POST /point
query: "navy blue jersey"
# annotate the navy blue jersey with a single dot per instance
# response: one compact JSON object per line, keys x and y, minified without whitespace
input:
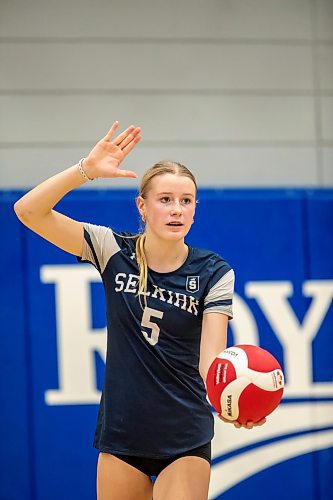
{"x":153,"y":402}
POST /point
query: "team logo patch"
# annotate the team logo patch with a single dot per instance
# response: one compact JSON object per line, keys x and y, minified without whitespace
{"x":192,"y":284}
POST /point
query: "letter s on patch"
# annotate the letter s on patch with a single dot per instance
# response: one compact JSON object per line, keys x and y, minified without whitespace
{"x":192,"y":284}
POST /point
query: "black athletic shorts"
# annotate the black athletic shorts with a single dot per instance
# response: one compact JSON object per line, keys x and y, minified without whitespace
{"x":153,"y":466}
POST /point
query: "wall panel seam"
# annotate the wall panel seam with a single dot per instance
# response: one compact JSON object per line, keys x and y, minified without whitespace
{"x":167,"y":92}
{"x":166,"y":40}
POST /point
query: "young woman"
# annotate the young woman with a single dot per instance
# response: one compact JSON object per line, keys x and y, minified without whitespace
{"x":168,"y":306}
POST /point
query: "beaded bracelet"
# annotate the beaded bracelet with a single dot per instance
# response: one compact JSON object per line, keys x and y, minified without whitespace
{"x":82,"y":172}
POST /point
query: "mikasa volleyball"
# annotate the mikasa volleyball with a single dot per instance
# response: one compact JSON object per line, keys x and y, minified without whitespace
{"x":245,"y":383}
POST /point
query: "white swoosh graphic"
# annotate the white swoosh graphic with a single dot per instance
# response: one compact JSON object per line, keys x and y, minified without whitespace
{"x":286,"y":419}
{"x":230,"y":472}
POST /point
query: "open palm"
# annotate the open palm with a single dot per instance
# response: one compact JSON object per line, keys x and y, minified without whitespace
{"x":104,"y":159}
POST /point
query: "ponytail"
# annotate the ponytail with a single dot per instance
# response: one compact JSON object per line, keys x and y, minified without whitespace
{"x":143,"y":267}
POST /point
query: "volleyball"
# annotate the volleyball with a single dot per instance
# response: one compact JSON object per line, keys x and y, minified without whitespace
{"x":244,"y":383}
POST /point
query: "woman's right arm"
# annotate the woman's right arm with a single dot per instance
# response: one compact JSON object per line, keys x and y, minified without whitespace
{"x":35,"y":209}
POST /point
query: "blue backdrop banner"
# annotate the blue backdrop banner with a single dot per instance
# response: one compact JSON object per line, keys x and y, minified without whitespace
{"x":53,"y":343}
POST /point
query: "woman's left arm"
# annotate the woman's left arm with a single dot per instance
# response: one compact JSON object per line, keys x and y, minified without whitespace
{"x":214,"y":341}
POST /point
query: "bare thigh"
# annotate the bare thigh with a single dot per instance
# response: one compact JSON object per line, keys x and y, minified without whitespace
{"x":117,"y":480}
{"x":187,"y":478}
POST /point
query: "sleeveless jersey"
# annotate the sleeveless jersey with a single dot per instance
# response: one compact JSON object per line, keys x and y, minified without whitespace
{"x":153,"y":402}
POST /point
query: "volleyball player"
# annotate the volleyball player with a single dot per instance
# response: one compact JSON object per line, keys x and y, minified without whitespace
{"x":168,"y":306}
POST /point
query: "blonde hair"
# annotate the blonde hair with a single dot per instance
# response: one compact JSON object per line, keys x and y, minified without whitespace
{"x":160,"y":168}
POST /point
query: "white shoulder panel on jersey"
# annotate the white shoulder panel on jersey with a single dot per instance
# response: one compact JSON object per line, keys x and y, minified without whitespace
{"x":219,"y":297}
{"x":101,"y":247}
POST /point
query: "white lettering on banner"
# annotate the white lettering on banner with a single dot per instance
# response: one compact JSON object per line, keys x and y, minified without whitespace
{"x":243,"y":326}
{"x":76,"y":340}
{"x":295,"y":338}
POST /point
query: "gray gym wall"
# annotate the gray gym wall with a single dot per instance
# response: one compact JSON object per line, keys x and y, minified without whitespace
{"x":241,"y":91}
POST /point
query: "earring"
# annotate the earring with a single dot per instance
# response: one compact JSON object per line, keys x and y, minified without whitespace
{"x":143,"y":217}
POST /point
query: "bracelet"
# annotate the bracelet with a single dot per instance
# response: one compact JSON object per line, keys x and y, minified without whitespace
{"x":82,"y":172}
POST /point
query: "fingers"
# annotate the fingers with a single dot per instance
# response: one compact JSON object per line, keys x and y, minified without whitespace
{"x":112,"y":130}
{"x":246,"y":425}
{"x":131,"y":145}
{"x":125,"y":137}
{"x":261,"y":422}
{"x":122,"y":145}
{"x":126,"y":173}
{"x":122,"y":139}
{"x":236,"y":424}
{"x":250,"y":424}
{"x":129,"y":138}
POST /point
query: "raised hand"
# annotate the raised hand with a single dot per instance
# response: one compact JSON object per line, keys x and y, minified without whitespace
{"x":104,"y":159}
{"x":248,"y":425}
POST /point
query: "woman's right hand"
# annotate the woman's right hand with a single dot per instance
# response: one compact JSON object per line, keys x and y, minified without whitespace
{"x":247,"y":425}
{"x":104,"y":159}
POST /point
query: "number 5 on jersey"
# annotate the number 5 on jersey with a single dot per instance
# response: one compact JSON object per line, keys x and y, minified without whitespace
{"x":155,"y":329}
